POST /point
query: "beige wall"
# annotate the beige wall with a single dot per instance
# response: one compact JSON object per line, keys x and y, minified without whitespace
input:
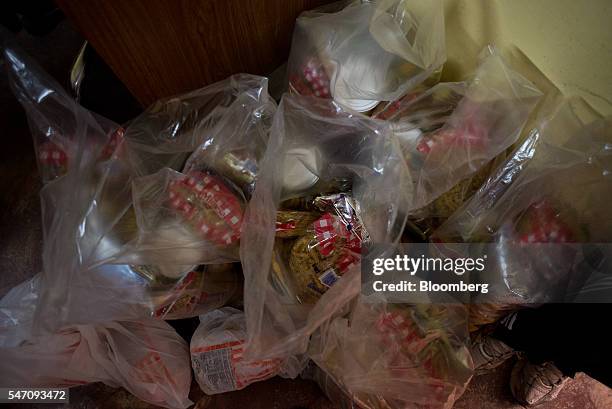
{"x":568,"y":41}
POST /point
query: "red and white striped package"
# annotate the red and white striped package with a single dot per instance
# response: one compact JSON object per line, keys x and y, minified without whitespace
{"x":54,"y":160}
{"x":312,"y":80}
{"x":543,"y":224}
{"x":327,"y":229}
{"x":217,"y":348}
{"x":209,"y":205}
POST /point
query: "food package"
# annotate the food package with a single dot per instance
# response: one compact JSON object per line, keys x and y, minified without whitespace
{"x":329,"y":183}
{"x":206,"y":289}
{"x":146,"y":357}
{"x":196,"y":215}
{"x":186,"y":218}
{"x":196,"y":120}
{"x":454,"y":133}
{"x":217,"y":354}
{"x":363,"y":53}
{"x":328,"y":248}
{"x":111,"y":253}
{"x":238,"y":142}
{"x":534,"y":219}
{"x":394,"y":355}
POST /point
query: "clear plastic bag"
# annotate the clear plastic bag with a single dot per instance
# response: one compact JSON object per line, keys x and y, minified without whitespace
{"x":103,"y":259}
{"x":199,"y":292}
{"x":239,"y":141}
{"x":453,"y":130}
{"x":366,"y":52}
{"x":196,"y":216}
{"x":175,"y":127}
{"x":222,"y":116}
{"x":217,"y":354}
{"x":339,"y":396}
{"x":534,"y":218}
{"x":395,"y":355}
{"x":60,"y":127}
{"x":147,"y":357}
{"x":17,"y":311}
{"x":328,"y":183}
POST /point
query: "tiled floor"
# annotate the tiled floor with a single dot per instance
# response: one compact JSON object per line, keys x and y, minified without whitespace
{"x":20,"y":245}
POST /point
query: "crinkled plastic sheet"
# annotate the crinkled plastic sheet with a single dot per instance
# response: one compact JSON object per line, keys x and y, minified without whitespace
{"x":17,"y":311}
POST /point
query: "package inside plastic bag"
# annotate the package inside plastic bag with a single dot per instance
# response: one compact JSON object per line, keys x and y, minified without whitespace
{"x":363,"y":53}
{"x":217,"y":354}
{"x":394,"y":355}
{"x":196,"y":215}
{"x":339,"y":396}
{"x":199,"y":291}
{"x":453,"y":133}
{"x":112,"y":252}
{"x":177,"y":126}
{"x":328,"y":183}
{"x":535,"y":219}
{"x":146,"y":357}
{"x":141,"y":225}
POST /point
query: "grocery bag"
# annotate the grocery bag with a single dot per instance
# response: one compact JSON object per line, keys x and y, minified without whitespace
{"x":363,"y":53}
{"x":330,"y":182}
{"x":543,"y":213}
{"x":147,"y":357}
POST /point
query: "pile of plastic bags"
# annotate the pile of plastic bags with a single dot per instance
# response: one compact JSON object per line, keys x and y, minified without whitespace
{"x":251,"y":215}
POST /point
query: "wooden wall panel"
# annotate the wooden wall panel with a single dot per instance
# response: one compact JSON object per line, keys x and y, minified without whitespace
{"x":160,"y":48}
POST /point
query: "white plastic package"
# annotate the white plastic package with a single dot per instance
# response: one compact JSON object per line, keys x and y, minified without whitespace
{"x":217,"y":354}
